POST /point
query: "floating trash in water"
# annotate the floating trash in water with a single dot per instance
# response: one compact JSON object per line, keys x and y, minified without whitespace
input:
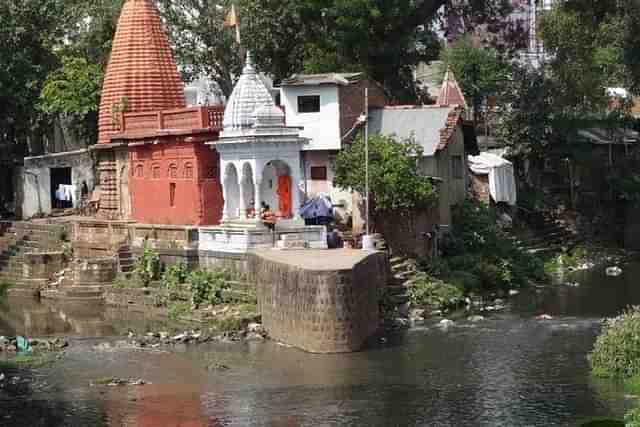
{"x":445,"y":323}
{"x":513,"y":292}
{"x":572,"y":284}
{"x":544,"y":317}
{"x":613,"y":271}
{"x":23,"y":345}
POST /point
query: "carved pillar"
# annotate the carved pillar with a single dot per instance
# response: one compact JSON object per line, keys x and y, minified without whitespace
{"x":295,"y":189}
{"x":243,"y":203}
{"x":225,"y":196}
{"x":257,"y":199}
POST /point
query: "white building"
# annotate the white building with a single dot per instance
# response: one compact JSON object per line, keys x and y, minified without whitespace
{"x":327,"y":107}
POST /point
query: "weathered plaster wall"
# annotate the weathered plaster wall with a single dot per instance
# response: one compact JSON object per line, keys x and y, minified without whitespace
{"x":37,"y":178}
{"x":453,"y":189}
{"x":326,"y":311}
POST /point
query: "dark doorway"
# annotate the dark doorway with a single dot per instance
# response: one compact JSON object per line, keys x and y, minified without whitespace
{"x":61,"y":192}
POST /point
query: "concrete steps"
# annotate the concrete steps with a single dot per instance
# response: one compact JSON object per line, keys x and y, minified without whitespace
{"x":126,"y":261}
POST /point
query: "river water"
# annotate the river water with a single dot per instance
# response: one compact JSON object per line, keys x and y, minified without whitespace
{"x":509,"y":370}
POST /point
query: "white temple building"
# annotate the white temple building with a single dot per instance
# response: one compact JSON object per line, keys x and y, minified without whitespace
{"x":260,"y":163}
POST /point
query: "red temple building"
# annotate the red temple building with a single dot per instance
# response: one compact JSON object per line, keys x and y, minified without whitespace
{"x":153,"y":164}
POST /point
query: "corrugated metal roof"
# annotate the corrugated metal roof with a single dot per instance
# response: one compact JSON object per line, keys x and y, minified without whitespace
{"x":340,"y":79}
{"x":421,"y":123}
{"x":609,"y":136}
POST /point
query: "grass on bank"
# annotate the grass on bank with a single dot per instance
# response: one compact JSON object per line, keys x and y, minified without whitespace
{"x":183,"y":291}
{"x":28,"y":361}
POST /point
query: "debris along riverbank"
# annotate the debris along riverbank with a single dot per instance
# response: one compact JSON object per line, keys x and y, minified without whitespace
{"x":23,"y":345}
{"x":251,"y":331}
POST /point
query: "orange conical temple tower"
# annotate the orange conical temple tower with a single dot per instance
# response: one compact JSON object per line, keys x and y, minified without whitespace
{"x":142,"y":74}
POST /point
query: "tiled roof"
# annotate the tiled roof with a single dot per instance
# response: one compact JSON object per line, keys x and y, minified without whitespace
{"x":249,"y":95}
{"x":340,"y":79}
{"x":141,"y":69}
{"x":450,"y":92}
{"x":430,"y":126}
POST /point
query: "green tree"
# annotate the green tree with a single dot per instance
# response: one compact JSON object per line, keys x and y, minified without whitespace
{"x":89,"y":27}
{"x":28,"y":33}
{"x":395,"y":181}
{"x":481,"y":72}
{"x":383,"y":38}
{"x":73,"y":92}
{"x":201,"y":44}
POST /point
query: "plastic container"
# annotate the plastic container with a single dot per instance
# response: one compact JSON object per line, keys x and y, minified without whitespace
{"x":368,"y":242}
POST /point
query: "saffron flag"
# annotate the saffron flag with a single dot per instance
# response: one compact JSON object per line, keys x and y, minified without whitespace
{"x":232,"y":18}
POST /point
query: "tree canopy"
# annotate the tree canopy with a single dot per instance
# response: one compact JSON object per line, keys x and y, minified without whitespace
{"x":28,"y":33}
{"x":395,"y":181}
{"x":383,"y":38}
{"x":201,"y":44}
{"x":480,"y":72}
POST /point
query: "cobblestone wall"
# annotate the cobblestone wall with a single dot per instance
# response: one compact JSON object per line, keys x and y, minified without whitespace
{"x":319,"y":311}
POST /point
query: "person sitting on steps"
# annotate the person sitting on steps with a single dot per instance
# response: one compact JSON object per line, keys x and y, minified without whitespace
{"x":268,"y":217}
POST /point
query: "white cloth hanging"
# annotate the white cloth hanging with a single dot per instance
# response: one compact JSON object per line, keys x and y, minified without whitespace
{"x":502,"y":181}
{"x":66,"y":193}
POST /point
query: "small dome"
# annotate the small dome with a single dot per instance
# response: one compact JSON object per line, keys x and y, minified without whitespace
{"x":248,"y":96}
{"x":268,"y":116}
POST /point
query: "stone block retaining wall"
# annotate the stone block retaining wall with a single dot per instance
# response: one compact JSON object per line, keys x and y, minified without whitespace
{"x":319,"y":311}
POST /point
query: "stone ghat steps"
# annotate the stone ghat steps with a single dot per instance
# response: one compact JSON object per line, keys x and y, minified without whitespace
{"x":18,"y":239}
{"x":76,"y":293}
{"x":126,"y":261}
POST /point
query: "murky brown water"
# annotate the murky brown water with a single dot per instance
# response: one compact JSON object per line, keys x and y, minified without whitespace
{"x":510,"y":370}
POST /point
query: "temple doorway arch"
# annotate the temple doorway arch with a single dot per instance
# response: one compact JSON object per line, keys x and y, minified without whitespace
{"x":231,"y":192}
{"x":276,"y":188}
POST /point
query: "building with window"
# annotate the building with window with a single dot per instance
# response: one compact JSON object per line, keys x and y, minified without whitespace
{"x":327,"y":107}
{"x":440,"y":132}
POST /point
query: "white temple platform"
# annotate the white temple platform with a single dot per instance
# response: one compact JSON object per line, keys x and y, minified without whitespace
{"x":242,"y":236}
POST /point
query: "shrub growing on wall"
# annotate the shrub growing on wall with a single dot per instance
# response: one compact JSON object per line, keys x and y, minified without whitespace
{"x":147,"y":266}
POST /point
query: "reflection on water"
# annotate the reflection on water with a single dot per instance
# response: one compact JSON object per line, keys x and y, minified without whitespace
{"x":510,"y":370}
{"x":28,"y":317}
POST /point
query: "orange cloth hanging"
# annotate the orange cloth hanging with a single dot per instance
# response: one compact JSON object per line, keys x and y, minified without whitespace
{"x":284,"y":196}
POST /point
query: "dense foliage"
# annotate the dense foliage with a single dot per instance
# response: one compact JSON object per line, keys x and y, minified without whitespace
{"x":427,"y":291}
{"x":481,"y":72}
{"x":616,"y":352}
{"x":28,"y":33}
{"x":201,"y":44}
{"x":395,"y":182}
{"x":632,"y":418}
{"x":383,"y":38}
{"x":478,"y":255}
{"x":73,"y":92}
{"x":590,"y":46}
{"x":207,"y":286}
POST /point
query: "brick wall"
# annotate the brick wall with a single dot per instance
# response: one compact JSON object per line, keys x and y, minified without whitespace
{"x":351,"y":99}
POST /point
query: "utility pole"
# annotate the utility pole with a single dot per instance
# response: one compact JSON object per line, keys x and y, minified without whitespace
{"x":366,"y":158}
